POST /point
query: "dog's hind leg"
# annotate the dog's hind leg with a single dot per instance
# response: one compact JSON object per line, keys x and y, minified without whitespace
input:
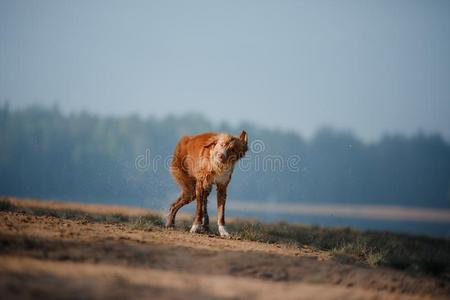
{"x":186,"y":197}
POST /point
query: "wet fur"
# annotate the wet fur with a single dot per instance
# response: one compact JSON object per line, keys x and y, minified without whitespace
{"x":196,"y":168}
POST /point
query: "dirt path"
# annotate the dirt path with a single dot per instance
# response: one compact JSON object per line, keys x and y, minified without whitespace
{"x":55,"y":258}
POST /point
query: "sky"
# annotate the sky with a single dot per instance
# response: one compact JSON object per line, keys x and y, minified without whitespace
{"x":372,"y":67}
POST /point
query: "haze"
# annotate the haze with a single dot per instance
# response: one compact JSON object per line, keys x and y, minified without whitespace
{"x":368,"y":66}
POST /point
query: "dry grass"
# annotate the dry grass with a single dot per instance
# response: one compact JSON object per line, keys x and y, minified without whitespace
{"x":406,"y":252}
{"x":415,"y":254}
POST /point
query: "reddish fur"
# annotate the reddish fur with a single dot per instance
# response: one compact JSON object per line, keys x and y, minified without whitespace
{"x":195,"y":167}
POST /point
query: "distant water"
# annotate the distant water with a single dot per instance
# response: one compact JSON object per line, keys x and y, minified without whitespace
{"x":418,"y":221}
{"x":438,"y":229}
{"x":411,"y":220}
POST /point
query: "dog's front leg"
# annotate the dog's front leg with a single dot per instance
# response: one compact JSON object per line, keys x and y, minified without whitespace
{"x":221,"y":199}
{"x":205,"y":217}
{"x":199,"y":195}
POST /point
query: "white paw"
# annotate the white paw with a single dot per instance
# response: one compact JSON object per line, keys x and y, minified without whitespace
{"x":223,"y":232}
{"x":195,"y":228}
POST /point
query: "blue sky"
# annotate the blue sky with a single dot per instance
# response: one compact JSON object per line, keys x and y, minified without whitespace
{"x":368,"y":66}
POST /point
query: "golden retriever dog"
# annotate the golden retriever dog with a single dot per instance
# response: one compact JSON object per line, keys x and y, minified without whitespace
{"x":199,"y":162}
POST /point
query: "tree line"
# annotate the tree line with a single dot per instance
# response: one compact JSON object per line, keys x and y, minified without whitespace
{"x":81,"y":156}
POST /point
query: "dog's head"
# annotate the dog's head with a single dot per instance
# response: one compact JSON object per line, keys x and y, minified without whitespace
{"x":227,"y":149}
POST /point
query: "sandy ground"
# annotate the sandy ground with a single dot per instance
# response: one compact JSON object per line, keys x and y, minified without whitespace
{"x":53,"y":258}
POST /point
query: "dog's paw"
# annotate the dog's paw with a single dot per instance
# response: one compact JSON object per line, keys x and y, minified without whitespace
{"x":169,"y":225}
{"x":223,"y":232}
{"x":169,"y":222}
{"x":197,"y":228}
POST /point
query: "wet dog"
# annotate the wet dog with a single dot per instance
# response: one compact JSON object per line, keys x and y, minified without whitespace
{"x":199,"y":162}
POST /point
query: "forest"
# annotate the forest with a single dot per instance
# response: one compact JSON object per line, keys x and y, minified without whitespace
{"x":46,"y":153}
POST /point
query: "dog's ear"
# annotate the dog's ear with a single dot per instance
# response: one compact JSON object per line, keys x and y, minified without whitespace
{"x":244,"y":137}
{"x":244,"y":141}
{"x":212,"y":141}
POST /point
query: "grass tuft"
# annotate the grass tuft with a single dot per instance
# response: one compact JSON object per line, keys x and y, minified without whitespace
{"x":5,"y":204}
{"x":147,"y":223}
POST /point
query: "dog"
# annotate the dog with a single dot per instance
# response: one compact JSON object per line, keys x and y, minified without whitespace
{"x":199,"y":162}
